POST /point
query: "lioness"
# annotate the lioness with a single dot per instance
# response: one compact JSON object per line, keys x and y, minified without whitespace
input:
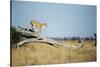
{"x":38,"y":25}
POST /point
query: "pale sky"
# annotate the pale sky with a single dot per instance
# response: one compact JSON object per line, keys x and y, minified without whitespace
{"x":64,"y":20}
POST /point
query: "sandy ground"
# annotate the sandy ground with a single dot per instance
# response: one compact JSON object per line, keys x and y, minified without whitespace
{"x":41,"y":53}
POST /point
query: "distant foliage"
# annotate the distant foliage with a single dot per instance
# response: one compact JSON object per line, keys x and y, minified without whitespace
{"x":15,"y":36}
{"x":75,"y":38}
{"x":95,"y":37}
{"x":65,"y":38}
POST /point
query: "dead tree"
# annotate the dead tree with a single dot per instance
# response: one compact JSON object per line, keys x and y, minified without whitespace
{"x":42,"y":39}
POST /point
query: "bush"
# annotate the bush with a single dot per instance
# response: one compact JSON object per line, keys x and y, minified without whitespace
{"x":15,"y":36}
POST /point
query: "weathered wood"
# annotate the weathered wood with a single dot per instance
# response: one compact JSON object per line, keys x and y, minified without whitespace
{"x":48,"y":41}
{"x":80,"y":45}
{"x":42,"y":39}
{"x":26,"y":32}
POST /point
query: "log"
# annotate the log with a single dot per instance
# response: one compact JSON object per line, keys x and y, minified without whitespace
{"x":42,"y":39}
{"x":80,"y":45}
{"x":26,"y":32}
{"x":48,"y":41}
{"x":36,"y":37}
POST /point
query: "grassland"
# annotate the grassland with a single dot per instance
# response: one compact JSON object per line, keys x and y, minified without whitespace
{"x":41,"y":53}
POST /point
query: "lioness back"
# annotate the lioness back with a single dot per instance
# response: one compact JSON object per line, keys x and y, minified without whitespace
{"x":38,"y":24}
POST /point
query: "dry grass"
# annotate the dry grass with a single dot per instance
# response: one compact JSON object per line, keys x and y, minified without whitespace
{"x":40,"y":53}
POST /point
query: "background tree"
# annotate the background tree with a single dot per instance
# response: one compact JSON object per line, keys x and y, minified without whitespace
{"x":95,"y":36}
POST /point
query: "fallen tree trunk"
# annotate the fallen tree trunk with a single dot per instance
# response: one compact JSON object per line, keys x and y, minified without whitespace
{"x":42,"y":39}
{"x":35,"y":37}
{"x":80,"y":45}
{"x":26,"y":32}
{"x":48,"y":41}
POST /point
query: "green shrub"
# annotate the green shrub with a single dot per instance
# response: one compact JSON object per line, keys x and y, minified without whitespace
{"x":15,"y":36}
